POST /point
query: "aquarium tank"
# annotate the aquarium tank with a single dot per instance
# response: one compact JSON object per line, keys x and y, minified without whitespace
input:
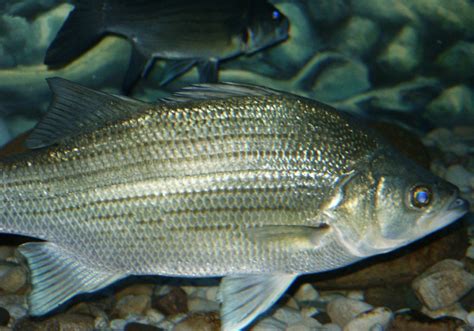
{"x":401,"y":71}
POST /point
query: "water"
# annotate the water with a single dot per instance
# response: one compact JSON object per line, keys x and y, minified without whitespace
{"x":407,"y":62}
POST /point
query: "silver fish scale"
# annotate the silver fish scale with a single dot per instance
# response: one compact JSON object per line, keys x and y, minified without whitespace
{"x":179,"y":188}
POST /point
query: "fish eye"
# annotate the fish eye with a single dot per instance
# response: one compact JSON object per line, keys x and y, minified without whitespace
{"x":245,"y":35}
{"x":276,"y":15}
{"x":420,"y":196}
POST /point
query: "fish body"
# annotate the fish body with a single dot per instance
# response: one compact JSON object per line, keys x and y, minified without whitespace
{"x":189,"y":33}
{"x":243,"y":182}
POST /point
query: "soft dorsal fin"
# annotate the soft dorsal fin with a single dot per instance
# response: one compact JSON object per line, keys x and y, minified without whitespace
{"x":218,"y":91}
{"x":76,"y":110}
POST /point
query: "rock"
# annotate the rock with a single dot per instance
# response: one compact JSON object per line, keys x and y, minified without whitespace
{"x":6,"y":252}
{"x":171,"y":303}
{"x":329,"y":327}
{"x":415,"y":321}
{"x":4,"y":316}
{"x":343,"y":310}
{"x":200,"y":321}
{"x":306,"y":293}
{"x":454,"y":17}
{"x":328,"y":12}
{"x":339,"y":79}
{"x":377,"y":319}
{"x":134,"y":326}
{"x":269,"y":323}
{"x":457,"y":61}
{"x":211,"y":293}
{"x":76,"y":322}
{"x":12,"y":277}
{"x":357,"y":37}
{"x":454,"y":106}
{"x":404,"y":97}
{"x":5,"y":136}
{"x":309,"y":311}
{"x":19,"y":124}
{"x":132,"y":304}
{"x":443,"y":284}
{"x":470,"y":318}
{"x":154,"y":316}
{"x":385,"y":12}
{"x":118,"y":324}
{"x":400,"y":267}
{"x":403,"y":55}
{"x":460,"y":177}
{"x":288,"y":315}
{"x":202,"y":305}
{"x":392,"y":297}
{"x":15,"y":304}
{"x":455,"y":310}
{"x":135,"y":289}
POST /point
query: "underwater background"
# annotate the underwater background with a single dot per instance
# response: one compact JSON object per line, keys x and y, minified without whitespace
{"x":405,"y":66}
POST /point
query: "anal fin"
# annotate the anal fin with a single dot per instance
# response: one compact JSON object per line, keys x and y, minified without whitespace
{"x":57,"y":275}
{"x":244,"y":297}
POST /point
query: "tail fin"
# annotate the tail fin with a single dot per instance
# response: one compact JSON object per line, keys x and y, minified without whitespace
{"x":83,"y":28}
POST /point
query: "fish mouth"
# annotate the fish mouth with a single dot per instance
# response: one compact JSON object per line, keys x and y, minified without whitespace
{"x":459,"y":204}
{"x":455,"y":209}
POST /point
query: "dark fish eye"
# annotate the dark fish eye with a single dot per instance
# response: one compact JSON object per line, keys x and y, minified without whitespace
{"x":245,"y":35}
{"x":420,"y":196}
{"x":276,"y":15}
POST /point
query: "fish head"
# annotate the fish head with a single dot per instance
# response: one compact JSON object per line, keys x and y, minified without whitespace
{"x":265,"y":27}
{"x":394,"y":203}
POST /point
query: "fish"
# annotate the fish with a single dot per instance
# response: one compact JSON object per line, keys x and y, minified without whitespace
{"x":188,"y":33}
{"x":250,"y":184}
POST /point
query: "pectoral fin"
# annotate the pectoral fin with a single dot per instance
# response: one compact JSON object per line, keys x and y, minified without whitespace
{"x":57,"y":275}
{"x":296,"y":236}
{"x":244,"y":297}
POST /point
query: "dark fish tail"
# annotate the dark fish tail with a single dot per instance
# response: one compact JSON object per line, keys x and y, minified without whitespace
{"x":83,"y":28}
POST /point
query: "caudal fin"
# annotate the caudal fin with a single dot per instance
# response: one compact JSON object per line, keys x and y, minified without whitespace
{"x":83,"y":29}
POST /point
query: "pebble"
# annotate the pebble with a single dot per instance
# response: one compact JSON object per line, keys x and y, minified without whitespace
{"x":403,"y":55}
{"x":154,"y":316}
{"x":4,"y":316}
{"x":132,"y":304}
{"x":269,"y":323}
{"x":357,"y":37}
{"x":443,"y":284}
{"x":175,"y":301}
{"x":12,"y":277}
{"x":309,"y":311}
{"x":392,"y":297}
{"x":343,"y":310}
{"x":394,"y":12}
{"x":292,"y":303}
{"x":136,"y":289}
{"x":340,"y":80}
{"x":306,"y":293}
{"x":76,"y":322}
{"x":118,"y":324}
{"x":6,"y":252}
{"x":134,"y":326}
{"x":470,"y":318}
{"x":329,"y":12}
{"x":457,"y":62}
{"x":455,"y":105}
{"x":5,"y":136}
{"x":202,"y":305}
{"x":288,"y":315}
{"x":460,"y":177}
{"x":200,"y":321}
{"x":376,"y":319}
{"x":329,"y":327}
{"x":455,"y":310}
{"x":415,"y":321}
{"x":211,"y":293}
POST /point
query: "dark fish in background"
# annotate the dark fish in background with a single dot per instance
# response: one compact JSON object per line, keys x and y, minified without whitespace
{"x":188,"y":32}
{"x":251,"y":184}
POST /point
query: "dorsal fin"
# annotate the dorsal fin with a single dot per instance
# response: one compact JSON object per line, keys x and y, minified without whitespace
{"x":76,"y":110}
{"x":218,"y":91}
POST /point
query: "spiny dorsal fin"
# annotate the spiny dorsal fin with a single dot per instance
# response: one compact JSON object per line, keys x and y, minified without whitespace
{"x":76,"y":110}
{"x":57,"y":275}
{"x":218,"y":91}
